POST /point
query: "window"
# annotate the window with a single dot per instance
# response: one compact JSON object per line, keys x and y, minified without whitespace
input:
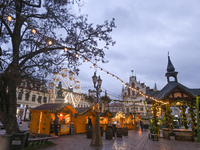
{"x":39,"y":99}
{"x":27,"y":95}
{"x":33,"y":98}
{"x":20,"y":96}
{"x":45,"y":100}
{"x":141,"y":108}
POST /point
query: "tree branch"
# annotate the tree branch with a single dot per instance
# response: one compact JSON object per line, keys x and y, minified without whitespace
{"x":33,"y":54}
{"x":6,"y":25}
{"x":39,"y":5}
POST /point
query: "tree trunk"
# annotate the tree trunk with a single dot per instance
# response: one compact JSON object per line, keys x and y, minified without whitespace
{"x":96,"y":136}
{"x":8,"y":102}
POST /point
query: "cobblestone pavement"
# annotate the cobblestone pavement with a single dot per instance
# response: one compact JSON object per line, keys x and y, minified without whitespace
{"x":136,"y":140}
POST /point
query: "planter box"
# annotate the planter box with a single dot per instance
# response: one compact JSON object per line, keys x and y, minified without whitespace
{"x":165,"y":133}
{"x":183,"y":135}
{"x":5,"y":142}
{"x":172,"y":138}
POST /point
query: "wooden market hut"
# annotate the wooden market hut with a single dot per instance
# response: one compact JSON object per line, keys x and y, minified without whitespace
{"x":118,"y":119}
{"x":43,"y":116}
{"x":174,"y":92}
{"x":128,"y":121}
{"x":81,"y":119}
{"x":105,"y":119}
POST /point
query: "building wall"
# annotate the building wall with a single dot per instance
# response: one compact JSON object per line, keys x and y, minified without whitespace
{"x":135,"y":101}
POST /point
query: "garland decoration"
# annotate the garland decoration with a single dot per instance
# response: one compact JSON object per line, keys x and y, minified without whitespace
{"x":90,"y":98}
{"x":154,"y":108}
{"x":168,"y":118}
{"x":105,"y":99}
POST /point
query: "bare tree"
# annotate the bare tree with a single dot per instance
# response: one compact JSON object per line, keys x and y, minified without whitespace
{"x":31,"y":46}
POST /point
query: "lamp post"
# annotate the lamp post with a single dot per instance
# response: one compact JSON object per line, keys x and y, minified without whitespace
{"x":96,"y":136}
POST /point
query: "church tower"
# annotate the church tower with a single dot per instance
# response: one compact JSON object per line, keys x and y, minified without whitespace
{"x":171,"y":73}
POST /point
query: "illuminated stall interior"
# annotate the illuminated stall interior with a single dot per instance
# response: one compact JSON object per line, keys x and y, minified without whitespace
{"x":118,"y":119}
{"x":105,"y":119}
{"x":43,"y":116}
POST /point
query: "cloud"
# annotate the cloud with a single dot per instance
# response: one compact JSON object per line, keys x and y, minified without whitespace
{"x":146,"y":31}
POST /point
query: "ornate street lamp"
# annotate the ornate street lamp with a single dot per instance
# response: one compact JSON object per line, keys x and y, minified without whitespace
{"x":96,"y":136}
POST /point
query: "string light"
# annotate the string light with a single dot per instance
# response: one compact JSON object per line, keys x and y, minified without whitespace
{"x":9,"y":18}
{"x":113,"y":76}
{"x":108,"y":73}
{"x":33,"y":31}
{"x":65,"y":49}
{"x":86,"y":60}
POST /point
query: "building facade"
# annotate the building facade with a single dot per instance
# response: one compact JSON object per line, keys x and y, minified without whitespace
{"x":30,"y":94}
{"x":135,"y":101}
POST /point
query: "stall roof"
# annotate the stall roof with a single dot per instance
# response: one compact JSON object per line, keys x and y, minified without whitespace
{"x":82,"y":110}
{"x":107,"y":113}
{"x":55,"y":107}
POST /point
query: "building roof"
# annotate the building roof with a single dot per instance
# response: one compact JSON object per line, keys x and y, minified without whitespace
{"x":165,"y":92}
{"x":82,"y":110}
{"x":54,"y":107}
{"x":116,"y":105}
{"x":107,"y":113}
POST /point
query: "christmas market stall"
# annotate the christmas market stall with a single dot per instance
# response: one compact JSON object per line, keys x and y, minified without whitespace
{"x":53,"y":118}
{"x":118,"y":119}
{"x":105,"y":119}
{"x":84,"y":119}
{"x":128,"y":121}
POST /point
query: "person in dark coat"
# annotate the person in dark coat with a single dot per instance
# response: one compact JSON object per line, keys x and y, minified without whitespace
{"x":89,"y":122}
{"x":56,"y":122}
{"x":141,"y":125}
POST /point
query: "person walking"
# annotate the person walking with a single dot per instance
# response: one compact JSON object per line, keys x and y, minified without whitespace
{"x":56,"y":122}
{"x":141,"y":125}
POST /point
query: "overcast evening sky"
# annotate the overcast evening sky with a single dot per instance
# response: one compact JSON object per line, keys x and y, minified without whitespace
{"x":146,"y":31}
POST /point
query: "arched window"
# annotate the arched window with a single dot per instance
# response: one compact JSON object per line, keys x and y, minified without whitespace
{"x":129,"y":92}
{"x":133,"y":86}
{"x":138,"y":89}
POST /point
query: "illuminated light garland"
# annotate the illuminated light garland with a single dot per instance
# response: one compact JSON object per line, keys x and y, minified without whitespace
{"x":86,"y":60}
{"x":9,"y":18}
{"x":76,"y":55}
{"x":108,"y":73}
{"x":113,"y":76}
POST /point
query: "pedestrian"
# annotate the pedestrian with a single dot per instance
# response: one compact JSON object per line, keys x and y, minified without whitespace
{"x":56,"y":122}
{"x":89,"y":122}
{"x":141,"y":125}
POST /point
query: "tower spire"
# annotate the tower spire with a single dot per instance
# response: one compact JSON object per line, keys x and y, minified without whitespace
{"x":171,"y":71}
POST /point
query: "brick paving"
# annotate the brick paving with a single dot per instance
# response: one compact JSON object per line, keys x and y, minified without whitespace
{"x":136,"y":140}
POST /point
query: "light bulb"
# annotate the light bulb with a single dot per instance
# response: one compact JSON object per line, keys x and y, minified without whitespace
{"x":9,"y":18}
{"x":50,"y":42}
{"x":33,"y":31}
{"x":65,"y":49}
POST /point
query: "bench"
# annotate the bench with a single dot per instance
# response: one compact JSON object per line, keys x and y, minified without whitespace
{"x":153,"y":136}
{"x":38,"y":138}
